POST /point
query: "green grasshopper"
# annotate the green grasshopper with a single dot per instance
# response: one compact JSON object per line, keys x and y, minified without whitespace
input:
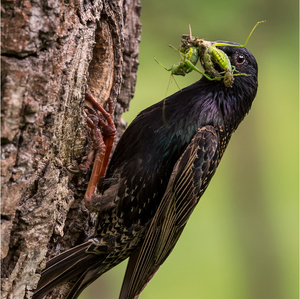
{"x":211,"y":54}
{"x":189,"y":54}
{"x":189,"y":58}
{"x":192,"y":49}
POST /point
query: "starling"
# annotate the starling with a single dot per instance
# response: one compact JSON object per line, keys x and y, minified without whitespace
{"x":161,"y":167}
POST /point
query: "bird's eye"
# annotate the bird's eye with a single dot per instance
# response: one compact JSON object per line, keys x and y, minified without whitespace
{"x":240,"y":59}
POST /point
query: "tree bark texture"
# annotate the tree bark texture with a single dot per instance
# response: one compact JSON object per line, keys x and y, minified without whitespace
{"x":52,"y":52}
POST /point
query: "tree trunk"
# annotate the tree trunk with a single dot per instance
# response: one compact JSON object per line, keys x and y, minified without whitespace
{"x":52,"y":52}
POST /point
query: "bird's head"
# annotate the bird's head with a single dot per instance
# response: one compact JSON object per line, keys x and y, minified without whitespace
{"x":243,"y":62}
{"x":240,"y":58}
{"x":235,"y":101}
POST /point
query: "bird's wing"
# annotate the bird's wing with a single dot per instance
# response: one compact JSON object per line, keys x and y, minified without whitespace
{"x":190,"y":177}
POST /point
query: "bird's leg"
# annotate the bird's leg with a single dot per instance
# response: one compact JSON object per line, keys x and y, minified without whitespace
{"x":102,"y":144}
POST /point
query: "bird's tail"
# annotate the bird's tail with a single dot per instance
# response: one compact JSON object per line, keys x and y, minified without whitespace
{"x":78,"y":262}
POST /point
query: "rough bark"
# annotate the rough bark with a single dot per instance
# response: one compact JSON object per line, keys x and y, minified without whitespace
{"x":52,"y":51}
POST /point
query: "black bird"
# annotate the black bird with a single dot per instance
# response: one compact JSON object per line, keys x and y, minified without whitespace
{"x":158,"y":172}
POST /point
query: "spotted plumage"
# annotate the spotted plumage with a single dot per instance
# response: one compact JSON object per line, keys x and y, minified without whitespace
{"x":161,"y":167}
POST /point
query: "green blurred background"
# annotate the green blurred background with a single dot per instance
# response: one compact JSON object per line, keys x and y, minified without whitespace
{"x":242,"y":239}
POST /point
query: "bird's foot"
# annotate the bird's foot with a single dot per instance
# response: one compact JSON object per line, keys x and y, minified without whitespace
{"x":102,"y":143}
